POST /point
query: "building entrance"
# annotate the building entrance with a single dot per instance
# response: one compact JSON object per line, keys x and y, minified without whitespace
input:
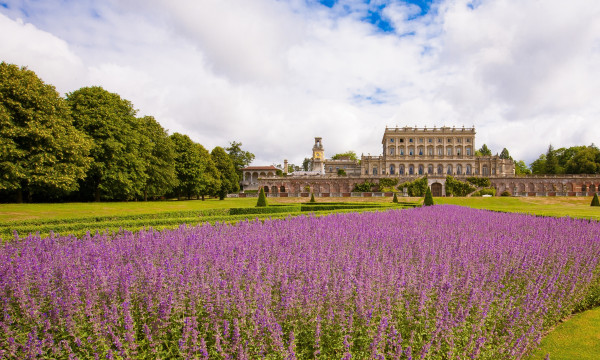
{"x":436,"y":189}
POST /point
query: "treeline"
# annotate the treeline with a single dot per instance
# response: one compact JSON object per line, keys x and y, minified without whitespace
{"x":90,"y":145}
{"x":572,"y":160}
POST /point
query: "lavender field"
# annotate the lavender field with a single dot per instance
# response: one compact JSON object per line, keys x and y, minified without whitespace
{"x":441,"y":282}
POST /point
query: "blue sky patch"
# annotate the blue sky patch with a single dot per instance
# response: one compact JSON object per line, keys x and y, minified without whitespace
{"x":377,"y":97}
{"x":4,"y":5}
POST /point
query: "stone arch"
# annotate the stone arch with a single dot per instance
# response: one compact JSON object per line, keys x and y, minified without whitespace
{"x":401,"y":170}
{"x":325,"y":188}
{"x":593,"y":188}
{"x":521,"y":187}
{"x":274,"y":189}
{"x":458,"y":169}
{"x":468,"y":170}
{"x":583,"y":188}
{"x":254,"y":179}
{"x":336,"y":187}
{"x":266,"y":189}
{"x":531,"y":187}
{"x":449,"y":169}
{"x":282,"y":188}
{"x":421,"y":169}
{"x":440,"y":169}
{"x":569,"y":187}
{"x":436,"y":189}
{"x":392,"y":169}
{"x":430,"y":169}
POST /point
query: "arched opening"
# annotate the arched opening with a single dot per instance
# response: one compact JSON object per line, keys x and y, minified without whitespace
{"x":449,"y":170}
{"x":266,"y":189}
{"x":593,"y":188}
{"x":401,"y":170}
{"x":392,"y":169}
{"x":375,"y":171}
{"x":436,"y":189}
{"x":411,"y":170}
{"x":468,"y":169}
{"x":440,"y":169}
{"x":421,"y":169}
{"x":254,"y":178}
{"x":458,"y":169}
{"x":274,"y":189}
{"x":430,"y":169}
{"x":484,"y":170}
{"x":583,"y":188}
{"x":282,"y":189}
{"x":532,"y":187}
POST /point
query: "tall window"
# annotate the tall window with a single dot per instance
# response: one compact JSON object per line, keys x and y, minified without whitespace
{"x":440,"y":151}
{"x":374,"y":171}
{"x":449,"y":151}
{"x":401,"y":151}
{"x":468,"y":151}
{"x":411,"y":151}
{"x":420,"y":151}
{"x":392,"y":169}
{"x":401,"y":170}
{"x":421,"y":168}
{"x":430,"y":169}
{"x":411,"y":169}
{"x":484,"y":170}
{"x":468,"y":169}
{"x":458,"y":151}
{"x":458,"y":169}
{"x":449,"y":170}
{"x":430,"y":151}
{"x":392,"y":150}
{"x":440,"y":169}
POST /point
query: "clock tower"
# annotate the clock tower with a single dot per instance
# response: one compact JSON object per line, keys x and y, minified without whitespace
{"x":318,"y":157}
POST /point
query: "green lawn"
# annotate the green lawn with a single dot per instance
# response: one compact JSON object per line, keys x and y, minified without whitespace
{"x":577,"y":338}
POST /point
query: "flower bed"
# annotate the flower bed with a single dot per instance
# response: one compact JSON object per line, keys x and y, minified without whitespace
{"x":434,"y":282}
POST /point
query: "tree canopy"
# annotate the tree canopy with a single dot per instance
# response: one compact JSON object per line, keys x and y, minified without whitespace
{"x":40,"y":149}
{"x":227,"y":174}
{"x":118,"y":170}
{"x":240,"y":158}
{"x":572,"y":160}
{"x":484,"y":151}
{"x":349,"y":154}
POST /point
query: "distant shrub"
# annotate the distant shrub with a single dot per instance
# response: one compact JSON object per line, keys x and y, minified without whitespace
{"x":479,"y":181}
{"x":457,"y":187}
{"x":395,"y":200}
{"x":505,"y":193}
{"x":262,"y":199}
{"x":490,"y":191}
{"x":312,"y":197}
{"x":595,"y":201}
{"x":341,"y":172}
{"x":388,"y":182}
{"x":366,"y":186}
{"x":415,"y":188}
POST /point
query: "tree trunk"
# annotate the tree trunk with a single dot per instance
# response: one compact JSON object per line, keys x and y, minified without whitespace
{"x":202,"y":197}
{"x":145,"y":195}
{"x":19,"y":196}
{"x":97,"y":195}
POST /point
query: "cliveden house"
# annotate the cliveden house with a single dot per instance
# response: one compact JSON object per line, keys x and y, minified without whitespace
{"x":409,"y":153}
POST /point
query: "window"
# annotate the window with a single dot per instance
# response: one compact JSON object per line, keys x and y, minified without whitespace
{"x":458,"y":140}
{"x":449,"y":140}
{"x":401,"y":170}
{"x":458,"y":169}
{"x":440,"y":151}
{"x":449,"y":151}
{"x":468,"y":140}
{"x":429,"y":140}
{"x":402,"y":140}
{"x":440,"y":169}
{"x":449,"y":170}
{"x":392,"y":169}
{"x":391,"y":151}
{"x":458,"y":151}
{"x":468,"y":151}
{"x":330,"y":169}
{"x":392,"y":140}
{"x":439,"y":140}
{"x":374,"y":171}
{"x":421,"y":169}
{"x":421,"y":140}
{"x":410,"y":140}
{"x":411,"y":170}
{"x":401,"y":151}
{"x":430,"y":169}
{"x":420,"y":151}
{"x":430,"y":151}
{"x":468,"y":169}
{"x":411,"y":152}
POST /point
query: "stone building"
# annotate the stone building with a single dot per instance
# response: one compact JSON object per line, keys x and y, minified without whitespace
{"x":251,"y":174}
{"x":433,"y":151}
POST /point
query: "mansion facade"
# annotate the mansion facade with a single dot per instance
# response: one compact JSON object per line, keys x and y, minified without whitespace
{"x":409,"y":153}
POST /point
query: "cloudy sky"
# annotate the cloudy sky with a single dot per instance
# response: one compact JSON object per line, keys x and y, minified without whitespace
{"x":273,"y":74}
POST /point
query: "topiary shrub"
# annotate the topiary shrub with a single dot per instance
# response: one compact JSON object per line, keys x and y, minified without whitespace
{"x":505,"y":193}
{"x":262,"y":199}
{"x":312,"y":197}
{"x":428,"y":201}
{"x":595,"y":201}
{"x":395,"y":200}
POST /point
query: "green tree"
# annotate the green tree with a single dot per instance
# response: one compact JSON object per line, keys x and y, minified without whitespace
{"x":521,"y":168}
{"x":395,"y":199}
{"x":159,"y":155}
{"x":40,"y":149}
{"x":312,"y":198}
{"x":505,"y":155}
{"x":240,"y":158}
{"x":484,"y":151}
{"x":307,"y":164}
{"x":551,"y":161}
{"x":428,"y":200}
{"x":595,"y":201}
{"x":349,"y":154}
{"x":262,"y":199}
{"x":539,"y":165}
{"x":227,"y":174}
{"x":118,"y":170}
{"x":584,"y":161}
{"x":196,"y":172}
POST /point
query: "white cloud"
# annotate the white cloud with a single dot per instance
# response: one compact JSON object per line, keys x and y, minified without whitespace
{"x":275,"y":74}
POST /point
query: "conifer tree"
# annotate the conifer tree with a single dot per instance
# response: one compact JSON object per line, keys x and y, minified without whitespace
{"x":595,"y":201}
{"x":312,"y":197}
{"x":262,"y":199}
{"x":428,"y":198}
{"x":395,"y":200}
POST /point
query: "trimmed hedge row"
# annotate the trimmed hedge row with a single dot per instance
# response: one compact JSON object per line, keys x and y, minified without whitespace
{"x":264,"y":210}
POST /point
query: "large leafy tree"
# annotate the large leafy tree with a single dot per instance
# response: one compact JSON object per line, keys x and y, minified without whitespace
{"x":196,"y":172}
{"x":584,"y":161}
{"x":521,"y":168}
{"x":159,"y":156}
{"x":227,"y":174}
{"x":552,"y":166}
{"x":119,"y":169}
{"x":40,"y":149}
{"x":504,"y":154}
{"x":240,"y":158}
